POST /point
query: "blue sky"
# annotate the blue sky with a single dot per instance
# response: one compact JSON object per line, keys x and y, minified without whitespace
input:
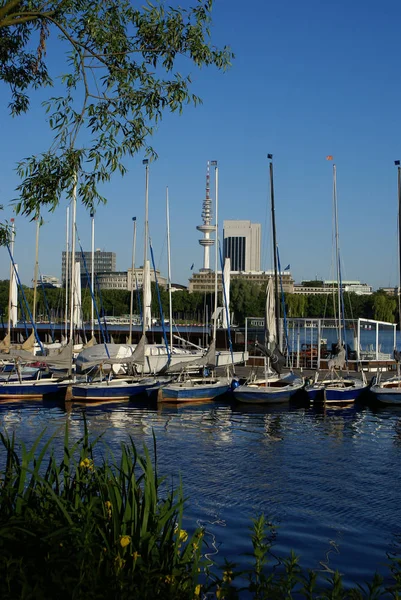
{"x":309,"y":79}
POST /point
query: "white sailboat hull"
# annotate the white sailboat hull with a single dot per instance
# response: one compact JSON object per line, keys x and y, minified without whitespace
{"x":388,"y":391}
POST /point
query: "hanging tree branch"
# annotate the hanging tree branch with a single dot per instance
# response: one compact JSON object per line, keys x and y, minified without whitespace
{"x":120,"y":77}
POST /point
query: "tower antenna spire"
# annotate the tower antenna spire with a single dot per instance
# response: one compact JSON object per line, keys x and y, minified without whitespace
{"x":206,"y":228}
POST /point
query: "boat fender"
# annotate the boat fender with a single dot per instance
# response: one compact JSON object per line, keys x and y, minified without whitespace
{"x":234,"y":384}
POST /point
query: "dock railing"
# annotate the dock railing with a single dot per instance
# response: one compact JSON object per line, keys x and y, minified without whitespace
{"x":310,"y":343}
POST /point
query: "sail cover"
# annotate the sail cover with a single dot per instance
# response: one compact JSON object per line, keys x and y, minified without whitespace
{"x":14,"y":298}
{"x":226,"y":292}
{"x":207,"y":360}
{"x":77,"y":297}
{"x":147,"y":297}
{"x":270,"y":320}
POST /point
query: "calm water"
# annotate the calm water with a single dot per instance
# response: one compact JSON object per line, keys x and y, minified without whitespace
{"x":329,"y":479}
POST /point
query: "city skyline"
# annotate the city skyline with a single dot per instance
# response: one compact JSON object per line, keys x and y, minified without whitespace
{"x":293,"y":91}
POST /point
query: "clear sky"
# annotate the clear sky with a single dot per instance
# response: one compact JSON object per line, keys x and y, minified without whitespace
{"x":309,"y":79}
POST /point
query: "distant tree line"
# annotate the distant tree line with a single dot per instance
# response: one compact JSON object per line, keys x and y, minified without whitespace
{"x":246,"y":300}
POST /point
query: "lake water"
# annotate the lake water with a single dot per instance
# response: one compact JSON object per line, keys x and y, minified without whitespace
{"x":329,"y":479}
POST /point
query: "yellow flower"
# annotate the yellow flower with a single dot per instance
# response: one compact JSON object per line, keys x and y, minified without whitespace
{"x":219,"y":594}
{"x":125,"y":540}
{"x":136,"y":555}
{"x":183,"y":535}
{"x":108,"y":506}
{"x":86,"y":463}
{"x":227,"y":576}
{"x":197,"y":590}
{"x":168,"y":579}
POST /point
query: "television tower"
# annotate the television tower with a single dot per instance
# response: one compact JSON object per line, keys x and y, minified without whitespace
{"x":207,"y":227}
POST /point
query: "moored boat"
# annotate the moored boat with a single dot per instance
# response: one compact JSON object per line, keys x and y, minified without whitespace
{"x":36,"y":389}
{"x":336,"y":388}
{"x":271,"y":390}
{"x":387,"y":391}
{"x":337,"y":385}
{"x":191,"y":389}
{"x":112,"y":389}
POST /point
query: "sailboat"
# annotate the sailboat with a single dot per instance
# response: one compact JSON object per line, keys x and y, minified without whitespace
{"x":388,"y":391}
{"x":337,"y":386}
{"x":44,"y":384}
{"x":274,"y":387}
{"x":207,"y":386}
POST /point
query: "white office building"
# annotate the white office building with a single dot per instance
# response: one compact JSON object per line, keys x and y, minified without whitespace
{"x":241,"y":244}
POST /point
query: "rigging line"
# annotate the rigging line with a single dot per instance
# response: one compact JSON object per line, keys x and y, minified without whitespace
{"x":284,"y":311}
{"x":23,"y":315}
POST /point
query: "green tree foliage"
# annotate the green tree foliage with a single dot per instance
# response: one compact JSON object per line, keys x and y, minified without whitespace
{"x":120,"y":75}
{"x":296,"y":305}
{"x":384,"y":307}
{"x":246,"y":299}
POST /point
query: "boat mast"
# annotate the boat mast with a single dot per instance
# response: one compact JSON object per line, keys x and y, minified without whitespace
{"x":73,"y":239}
{"x":216,"y":188}
{"x":397,"y":163}
{"x":131,"y":302}
{"x":92,"y":214}
{"x":67,"y":270}
{"x":145,"y":252}
{"x":12,"y":276}
{"x":276,"y":295}
{"x":335,"y":208}
{"x":170,"y":316}
{"x":35,"y":271}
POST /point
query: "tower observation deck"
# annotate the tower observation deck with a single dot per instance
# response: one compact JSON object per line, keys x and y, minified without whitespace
{"x":207,"y":228}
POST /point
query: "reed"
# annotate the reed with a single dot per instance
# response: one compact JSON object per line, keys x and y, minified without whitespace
{"x":88,"y":528}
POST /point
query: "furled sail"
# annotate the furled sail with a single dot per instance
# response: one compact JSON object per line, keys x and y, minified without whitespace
{"x":14,"y":297}
{"x":147,"y":297}
{"x":77,"y":297}
{"x":270,"y":315}
{"x":226,"y":294}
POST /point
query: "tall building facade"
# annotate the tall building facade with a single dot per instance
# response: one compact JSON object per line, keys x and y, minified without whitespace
{"x":241,"y":244}
{"x":103,"y":262}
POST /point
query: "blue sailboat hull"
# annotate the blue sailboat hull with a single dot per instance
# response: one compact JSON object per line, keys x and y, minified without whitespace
{"x":119,"y":389}
{"x":31,"y":389}
{"x":335,"y":392}
{"x":192,"y":392}
{"x":270,"y":391}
